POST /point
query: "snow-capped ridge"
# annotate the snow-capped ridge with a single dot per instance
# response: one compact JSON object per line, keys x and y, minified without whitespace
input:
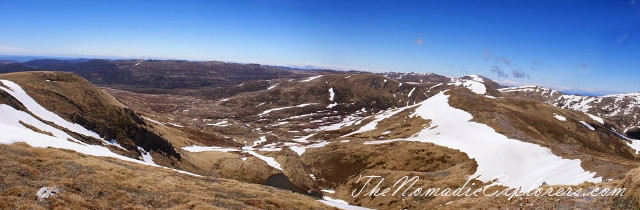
{"x":475,"y":84}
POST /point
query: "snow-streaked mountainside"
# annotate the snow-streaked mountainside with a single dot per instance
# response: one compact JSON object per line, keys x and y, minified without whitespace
{"x":37,"y":128}
{"x":496,"y":154}
{"x":622,"y":109}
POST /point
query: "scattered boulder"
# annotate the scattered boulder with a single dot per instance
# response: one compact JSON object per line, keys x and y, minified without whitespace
{"x":46,"y":192}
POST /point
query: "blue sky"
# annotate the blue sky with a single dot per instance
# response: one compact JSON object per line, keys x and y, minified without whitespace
{"x":577,"y":46}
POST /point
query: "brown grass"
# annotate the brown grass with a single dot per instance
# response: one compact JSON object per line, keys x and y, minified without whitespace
{"x":338,"y":165}
{"x":89,"y":182}
{"x":33,"y":128}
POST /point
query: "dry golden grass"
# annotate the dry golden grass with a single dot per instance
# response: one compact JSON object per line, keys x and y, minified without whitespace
{"x":338,"y":166}
{"x":631,"y":200}
{"x":33,"y":128}
{"x":88,"y":182}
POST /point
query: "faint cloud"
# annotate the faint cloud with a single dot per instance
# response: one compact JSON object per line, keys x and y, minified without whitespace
{"x":506,"y":61}
{"x":420,"y":41}
{"x":536,"y":62}
{"x":517,"y":73}
{"x":502,"y":60}
{"x":486,"y":55}
{"x":584,"y":66}
{"x":499,"y":72}
{"x":14,"y":50}
{"x":464,"y":69}
{"x":623,"y":38}
{"x":632,"y":2}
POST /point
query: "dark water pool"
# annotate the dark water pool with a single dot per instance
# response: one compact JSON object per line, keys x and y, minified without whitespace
{"x":281,"y":181}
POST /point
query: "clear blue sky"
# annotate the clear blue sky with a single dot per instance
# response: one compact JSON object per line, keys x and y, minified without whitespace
{"x":586,"y":46}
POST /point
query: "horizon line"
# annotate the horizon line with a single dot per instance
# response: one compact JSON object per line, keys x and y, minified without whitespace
{"x":317,"y":66}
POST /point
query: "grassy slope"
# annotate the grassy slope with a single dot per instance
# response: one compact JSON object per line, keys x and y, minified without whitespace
{"x":89,"y":182}
{"x":76,"y":100}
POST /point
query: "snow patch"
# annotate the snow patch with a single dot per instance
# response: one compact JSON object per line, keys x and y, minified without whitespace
{"x":596,"y":118}
{"x":587,"y":125}
{"x":269,"y":160}
{"x":196,"y":148}
{"x":262,"y":140}
{"x":301,"y":149}
{"x":222,"y":123}
{"x":146,"y":156}
{"x":411,"y":92}
{"x":328,"y":191}
{"x":114,"y":143}
{"x":311,"y":78}
{"x":331,"y":94}
{"x":559,"y":117}
{"x":282,"y":108}
{"x":339,"y":204}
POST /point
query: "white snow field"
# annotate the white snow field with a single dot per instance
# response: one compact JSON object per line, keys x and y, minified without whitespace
{"x":527,"y":165}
